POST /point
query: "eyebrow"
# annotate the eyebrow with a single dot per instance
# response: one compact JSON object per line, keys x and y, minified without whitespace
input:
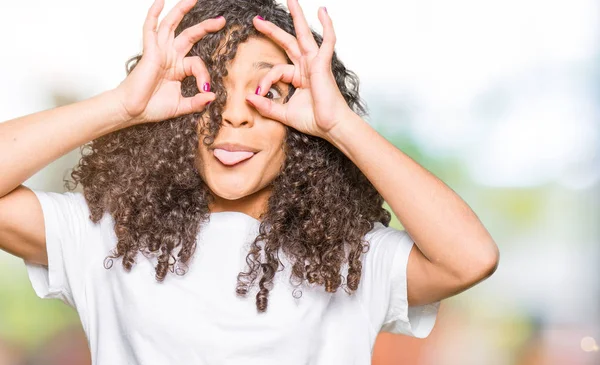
{"x":262,"y":65}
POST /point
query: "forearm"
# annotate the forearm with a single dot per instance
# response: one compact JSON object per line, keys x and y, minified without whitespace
{"x":29,"y":143}
{"x":442,"y":225}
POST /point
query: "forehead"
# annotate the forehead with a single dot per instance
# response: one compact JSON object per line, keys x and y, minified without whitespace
{"x":256,"y":52}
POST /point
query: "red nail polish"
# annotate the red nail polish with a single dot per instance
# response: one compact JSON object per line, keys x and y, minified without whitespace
{"x":206,"y":87}
{"x":257,"y":91}
{"x":260,"y":17}
{"x":218,"y":17}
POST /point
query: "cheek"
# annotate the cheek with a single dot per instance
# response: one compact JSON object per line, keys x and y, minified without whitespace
{"x":277,"y":159}
{"x":202,"y":158}
{"x":277,"y":138}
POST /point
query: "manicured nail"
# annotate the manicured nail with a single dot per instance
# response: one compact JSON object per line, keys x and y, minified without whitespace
{"x":324,"y":8}
{"x":260,"y":17}
{"x":206,"y":87}
{"x":257,"y":91}
{"x":218,"y":17}
{"x":208,"y":103}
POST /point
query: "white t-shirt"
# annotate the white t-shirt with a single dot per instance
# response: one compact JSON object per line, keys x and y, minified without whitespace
{"x":197,"y":318}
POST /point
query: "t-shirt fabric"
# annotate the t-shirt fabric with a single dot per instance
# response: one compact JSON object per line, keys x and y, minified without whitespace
{"x":197,"y":318}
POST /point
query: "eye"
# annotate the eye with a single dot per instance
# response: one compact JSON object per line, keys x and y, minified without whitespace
{"x":274,"y":93}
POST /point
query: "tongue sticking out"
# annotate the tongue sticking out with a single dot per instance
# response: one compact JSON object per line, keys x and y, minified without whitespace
{"x":231,"y":158}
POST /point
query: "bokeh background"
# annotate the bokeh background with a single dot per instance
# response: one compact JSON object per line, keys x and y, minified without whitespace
{"x":498,"y":98}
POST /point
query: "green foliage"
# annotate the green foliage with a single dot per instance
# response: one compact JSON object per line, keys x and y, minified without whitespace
{"x":25,"y":318}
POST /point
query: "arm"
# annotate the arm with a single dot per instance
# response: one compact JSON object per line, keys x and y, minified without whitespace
{"x":32,"y":142}
{"x":454,"y":250}
{"x":150,"y":93}
{"x":35,"y":140}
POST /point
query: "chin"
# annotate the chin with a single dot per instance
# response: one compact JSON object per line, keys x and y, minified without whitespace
{"x":231,"y":190}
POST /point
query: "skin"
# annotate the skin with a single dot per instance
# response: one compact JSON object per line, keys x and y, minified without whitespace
{"x":453,"y":251}
{"x":245,"y":187}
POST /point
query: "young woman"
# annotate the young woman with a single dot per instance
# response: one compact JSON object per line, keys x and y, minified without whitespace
{"x":234,"y":155}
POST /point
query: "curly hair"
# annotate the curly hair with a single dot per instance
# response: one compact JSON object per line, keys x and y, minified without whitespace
{"x":146,"y":176}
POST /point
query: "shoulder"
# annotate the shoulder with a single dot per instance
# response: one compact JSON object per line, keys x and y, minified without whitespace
{"x":386,"y":246}
{"x":69,"y":201}
{"x":69,"y":210}
{"x":380,"y":232}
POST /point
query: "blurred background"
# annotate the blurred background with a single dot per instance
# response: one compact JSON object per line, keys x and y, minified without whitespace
{"x":500,"y":99}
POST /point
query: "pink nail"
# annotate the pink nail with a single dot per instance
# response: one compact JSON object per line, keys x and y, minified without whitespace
{"x":260,"y":17}
{"x":257,"y":91}
{"x":324,"y":8}
{"x":206,"y":87}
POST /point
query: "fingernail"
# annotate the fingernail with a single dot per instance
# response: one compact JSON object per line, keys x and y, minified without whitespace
{"x":257,"y":91}
{"x":206,"y":87}
{"x":260,"y":17}
{"x":208,"y":103}
{"x":324,"y":8}
{"x":220,"y":16}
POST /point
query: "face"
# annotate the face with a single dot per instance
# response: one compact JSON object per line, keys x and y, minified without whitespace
{"x":243,"y":186}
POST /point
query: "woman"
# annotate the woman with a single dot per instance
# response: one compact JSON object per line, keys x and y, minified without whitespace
{"x":235,"y":155}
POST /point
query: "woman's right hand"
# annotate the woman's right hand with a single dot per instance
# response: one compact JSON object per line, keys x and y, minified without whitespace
{"x":152,"y":91}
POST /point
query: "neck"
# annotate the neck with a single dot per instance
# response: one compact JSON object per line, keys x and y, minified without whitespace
{"x":253,"y":205}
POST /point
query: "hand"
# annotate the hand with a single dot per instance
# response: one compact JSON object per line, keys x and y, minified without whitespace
{"x":152,"y":91}
{"x":317,"y":105}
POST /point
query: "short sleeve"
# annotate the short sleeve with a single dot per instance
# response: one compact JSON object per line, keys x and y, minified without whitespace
{"x":383,"y":286}
{"x":66,"y":220}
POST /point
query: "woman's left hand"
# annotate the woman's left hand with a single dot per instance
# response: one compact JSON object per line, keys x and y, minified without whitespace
{"x":317,"y":105}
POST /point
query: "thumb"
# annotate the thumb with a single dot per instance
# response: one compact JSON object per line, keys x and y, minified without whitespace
{"x":196,"y":103}
{"x":267,"y":108}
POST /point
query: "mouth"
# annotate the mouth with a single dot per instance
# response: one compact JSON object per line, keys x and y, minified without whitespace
{"x":232,"y":158}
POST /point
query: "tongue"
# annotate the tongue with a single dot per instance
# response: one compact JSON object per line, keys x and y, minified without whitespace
{"x":231,"y":158}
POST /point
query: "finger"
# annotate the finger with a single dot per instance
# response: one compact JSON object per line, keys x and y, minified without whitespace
{"x":174,"y":17}
{"x":268,"y":108}
{"x":194,"y":66}
{"x":280,"y":72}
{"x":329,"y":39}
{"x":303,"y":33}
{"x":190,"y":36}
{"x":285,"y":40}
{"x":149,"y":29}
{"x":194,"y":104}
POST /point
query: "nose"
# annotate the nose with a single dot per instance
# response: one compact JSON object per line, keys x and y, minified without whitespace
{"x":237,"y":111}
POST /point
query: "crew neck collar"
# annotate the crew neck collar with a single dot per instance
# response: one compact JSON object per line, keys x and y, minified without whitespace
{"x":233,"y":214}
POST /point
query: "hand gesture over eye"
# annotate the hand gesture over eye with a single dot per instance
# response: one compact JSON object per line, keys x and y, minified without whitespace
{"x":317,"y":105}
{"x":152,"y":91}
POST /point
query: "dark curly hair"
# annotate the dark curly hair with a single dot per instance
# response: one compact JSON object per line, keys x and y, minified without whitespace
{"x":146,"y":177}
